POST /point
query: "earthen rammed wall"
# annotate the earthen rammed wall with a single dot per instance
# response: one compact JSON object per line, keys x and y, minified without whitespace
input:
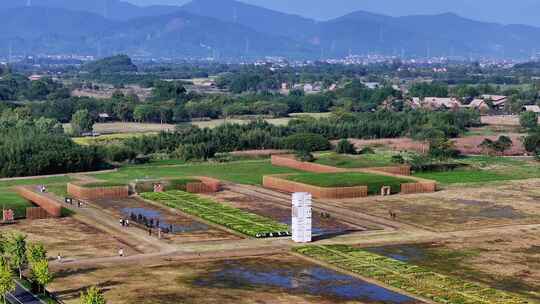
{"x":81,"y":192}
{"x":47,"y":203}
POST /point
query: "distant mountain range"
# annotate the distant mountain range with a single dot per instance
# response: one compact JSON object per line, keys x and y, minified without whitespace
{"x":231,"y":29}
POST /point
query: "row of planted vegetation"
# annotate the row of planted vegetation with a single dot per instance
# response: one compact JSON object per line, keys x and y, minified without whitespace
{"x":235,"y":219}
{"x":413,"y":279}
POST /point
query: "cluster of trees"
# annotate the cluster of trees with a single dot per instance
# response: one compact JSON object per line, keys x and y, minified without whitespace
{"x":36,"y":147}
{"x":17,"y":255}
{"x":304,"y":134}
{"x":498,"y":146}
{"x":18,"y":87}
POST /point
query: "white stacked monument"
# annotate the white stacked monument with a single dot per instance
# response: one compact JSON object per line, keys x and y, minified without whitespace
{"x":301,"y":217}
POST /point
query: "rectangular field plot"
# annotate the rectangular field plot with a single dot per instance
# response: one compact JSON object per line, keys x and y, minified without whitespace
{"x":277,"y":279}
{"x":413,"y":279}
{"x":241,"y":172}
{"x":247,"y":223}
{"x":486,"y":169}
{"x":182,"y":229}
{"x":507,"y":261}
{"x":379,"y":159}
{"x":374,"y":182}
{"x":459,"y":208}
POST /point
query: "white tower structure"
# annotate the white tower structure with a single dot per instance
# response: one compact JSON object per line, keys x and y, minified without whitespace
{"x":301,"y":217}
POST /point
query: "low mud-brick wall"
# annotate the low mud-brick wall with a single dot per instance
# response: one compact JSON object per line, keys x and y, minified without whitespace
{"x":278,"y":182}
{"x":79,"y":191}
{"x":46,"y":202}
{"x":36,"y":213}
{"x":420,"y":187}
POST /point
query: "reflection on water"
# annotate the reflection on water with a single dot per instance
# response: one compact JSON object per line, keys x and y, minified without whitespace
{"x":311,"y":280}
{"x":157,"y":217}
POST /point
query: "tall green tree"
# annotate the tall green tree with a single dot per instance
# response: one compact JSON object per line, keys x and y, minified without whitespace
{"x":41,"y":273}
{"x":93,"y":295}
{"x":528,"y":120}
{"x":35,"y":253}
{"x":7,"y":283}
{"x":16,"y":251}
{"x":81,"y":122}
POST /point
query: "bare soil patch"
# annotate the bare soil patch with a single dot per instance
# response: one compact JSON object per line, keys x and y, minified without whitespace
{"x":70,"y":238}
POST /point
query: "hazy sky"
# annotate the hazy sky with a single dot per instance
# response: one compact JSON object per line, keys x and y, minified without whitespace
{"x":502,"y":11}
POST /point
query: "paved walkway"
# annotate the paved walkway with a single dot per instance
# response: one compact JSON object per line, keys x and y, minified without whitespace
{"x":22,"y":296}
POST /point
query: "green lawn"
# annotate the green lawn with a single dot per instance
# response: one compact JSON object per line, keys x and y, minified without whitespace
{"x":484,"y":169}
{"x":350,"y":179}
{"x":245,"y":172}
{"x":379,"y":159}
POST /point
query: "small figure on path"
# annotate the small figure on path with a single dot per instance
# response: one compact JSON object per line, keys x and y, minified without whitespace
{"x":59,"y":258}
{"x":150,"y":231}
{"x":127,"y":223}
{"x":122,"y":222}
{"x":121,"y":252}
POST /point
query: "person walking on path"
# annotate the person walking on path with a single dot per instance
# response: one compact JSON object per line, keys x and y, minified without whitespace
{"x":121,"y":252}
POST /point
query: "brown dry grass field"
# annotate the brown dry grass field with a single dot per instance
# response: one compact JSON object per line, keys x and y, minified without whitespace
{"x":70,"y":238}
{"x":274,"y":279}
{"x":456,"y":209}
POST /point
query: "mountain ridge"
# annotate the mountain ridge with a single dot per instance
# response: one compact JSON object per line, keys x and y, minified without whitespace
{"x":233,"y":29}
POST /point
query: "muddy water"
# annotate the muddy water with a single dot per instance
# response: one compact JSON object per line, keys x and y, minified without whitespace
{"x":301,"y":279}
{"x":156,"y":215}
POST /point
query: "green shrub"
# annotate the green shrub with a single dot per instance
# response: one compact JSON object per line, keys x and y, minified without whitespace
{"x":308,"y":142}
{"x":345,"y":147}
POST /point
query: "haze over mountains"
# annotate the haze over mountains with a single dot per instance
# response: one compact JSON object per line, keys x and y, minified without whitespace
{"x":231,"y":29}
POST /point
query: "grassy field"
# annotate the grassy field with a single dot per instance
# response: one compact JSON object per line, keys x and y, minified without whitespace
{"x":245,"y":172}
{"x":484,"y":169}
{"x":244,"y":222}
{"x":379,"y":159}
{"x":349,"y":179}
{"x":417,"y":280}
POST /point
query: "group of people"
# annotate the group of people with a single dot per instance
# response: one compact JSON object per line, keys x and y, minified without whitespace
{"x":124,"y":222}
{"x":70,"y":201}
{"x":393,"y":215}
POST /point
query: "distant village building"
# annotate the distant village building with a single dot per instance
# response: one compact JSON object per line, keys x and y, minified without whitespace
{"x":35,"y":77}
{"x":371,"y":85}
{"x":435,"y":103}
{"x":534,"y":109}
{"x":498,"y":101}
{"x":479,"y":104}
